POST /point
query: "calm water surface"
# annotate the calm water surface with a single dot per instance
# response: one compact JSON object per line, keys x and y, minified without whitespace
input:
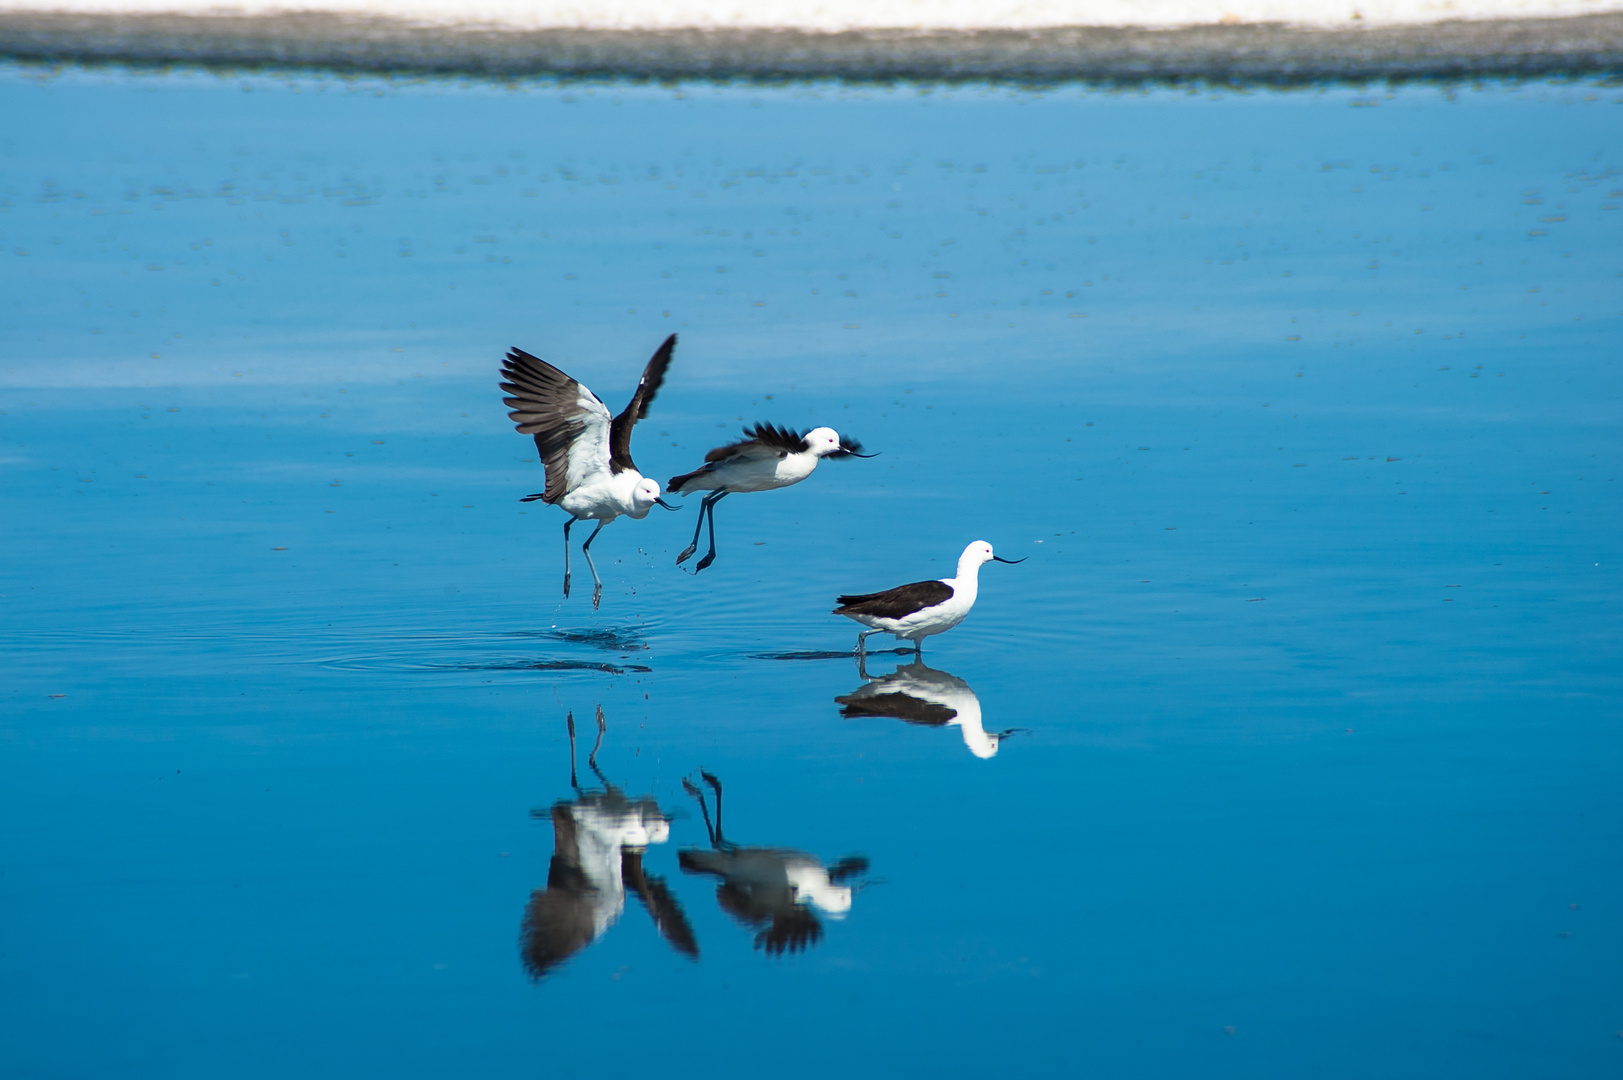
{"x":1304,"y":407}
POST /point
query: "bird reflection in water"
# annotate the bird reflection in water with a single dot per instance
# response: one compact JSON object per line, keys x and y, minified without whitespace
{"x":772,"y":890}
{"x":917,"y":694}
{"x":599,"y":839}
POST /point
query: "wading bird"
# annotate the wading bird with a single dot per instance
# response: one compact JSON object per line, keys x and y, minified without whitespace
{"x":916,"y":694}
{"x":915,"y":611}
{"x":770,"y":888}
{"x":766,"y":458}
{"x":599,"y":839}
{"x":586,"y":455}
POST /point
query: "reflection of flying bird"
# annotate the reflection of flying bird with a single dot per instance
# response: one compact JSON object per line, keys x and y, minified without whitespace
{"x":917,"y":694}
{"x":599,"y":838}
{"x":586,"y":455}
{"x":767,"y":458}
{"x":771,"y":889}
{"x":916,"y":611}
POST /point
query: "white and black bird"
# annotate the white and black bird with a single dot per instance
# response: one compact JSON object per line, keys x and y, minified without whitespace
{"x":915,"y":611}
{"x":587,"y":455}
{"x":772,"y":890}
{"x":765,"y":459}
{"x":599,"y":840}
{"x":917,"y":694}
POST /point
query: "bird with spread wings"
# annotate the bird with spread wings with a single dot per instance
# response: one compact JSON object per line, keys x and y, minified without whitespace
{"x":585,"y":452}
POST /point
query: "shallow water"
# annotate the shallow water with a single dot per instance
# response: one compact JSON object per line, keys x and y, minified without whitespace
{"x":1304,"y":407}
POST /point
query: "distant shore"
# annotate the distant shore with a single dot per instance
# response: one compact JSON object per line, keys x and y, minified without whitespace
{"x":1269,"y":54}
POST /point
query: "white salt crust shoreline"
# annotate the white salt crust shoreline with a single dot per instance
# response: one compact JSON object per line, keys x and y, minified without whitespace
{"x":837,"y":16}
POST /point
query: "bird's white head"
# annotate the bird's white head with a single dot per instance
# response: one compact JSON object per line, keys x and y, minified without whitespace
{"x":643,"y":497}
{"x":976,"y":555}
{"x":979,"y":554}
{"x":659,"y":829}
{"x":823,"y":441}
{"x":831,"y":898}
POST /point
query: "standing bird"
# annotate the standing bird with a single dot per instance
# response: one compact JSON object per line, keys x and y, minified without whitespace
{"x":916,"y":694}
{"x":914,"y":612}
{"x":766,"y":458}
{"x":586,"y":455}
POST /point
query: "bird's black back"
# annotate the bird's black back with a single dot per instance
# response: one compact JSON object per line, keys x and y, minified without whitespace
{"x":896,"y":603}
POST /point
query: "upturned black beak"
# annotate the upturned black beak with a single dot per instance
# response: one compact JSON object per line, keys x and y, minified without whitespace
{"x":667,"y":505}
{"x":1011,"y":562}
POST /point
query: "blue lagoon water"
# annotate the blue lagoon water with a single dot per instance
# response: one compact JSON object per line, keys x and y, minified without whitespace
{"x":1304,"y":408}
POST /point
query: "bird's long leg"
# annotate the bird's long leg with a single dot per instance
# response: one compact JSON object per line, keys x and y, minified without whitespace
{"x":591,"y":759}
{"x":574,"y":781}
{"x":687,"y":552}
{"x":862,"y":642}
{"x":567,"y":525}
{"x":586,"y":550}
{"x":862,"y":665}
{"x":715,"y":785}
{"x":691,"y":789}
{"x":710,"y":556}
{"x":918,"y":650}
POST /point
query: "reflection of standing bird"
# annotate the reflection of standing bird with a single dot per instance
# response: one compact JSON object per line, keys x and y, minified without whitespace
{"x":599,"y":838}
{"x":774,"y":888}
{"x":916,"y":611}
{"x":587,"y":456}
{"x":916,"y":694}
{"x":767,"y":458}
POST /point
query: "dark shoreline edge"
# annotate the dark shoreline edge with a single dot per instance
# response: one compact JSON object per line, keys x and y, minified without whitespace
{"x":1582,"y":46}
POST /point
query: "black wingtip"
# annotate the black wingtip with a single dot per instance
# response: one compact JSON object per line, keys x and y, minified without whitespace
{"x":850,"y":448}
{"x":786,"y":439}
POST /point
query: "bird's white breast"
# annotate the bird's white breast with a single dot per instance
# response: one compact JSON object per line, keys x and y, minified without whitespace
{"x":606,"y":499}
{"x":751,"y":472}
{"x":938,"y":619}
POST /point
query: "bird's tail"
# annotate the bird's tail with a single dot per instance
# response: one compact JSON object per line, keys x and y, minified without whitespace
{"x":675,"y":486}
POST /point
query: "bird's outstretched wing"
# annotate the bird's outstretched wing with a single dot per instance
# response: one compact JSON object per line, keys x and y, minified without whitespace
{"x":896,"y":603}
{"x":794,"y":929}
{"x":557,"y":925}
{"x":571,"y":426}
{"x":763,"y":440}
{"x":656,"y":897}
{"x":637,"y":408}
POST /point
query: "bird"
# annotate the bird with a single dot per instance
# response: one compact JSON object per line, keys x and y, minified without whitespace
{"x":765,"y":459}
{"x":586,"y":455}
{"x":598,"y":843}
{"x":771,"y":888}
{"x":917,"y":694}
{"x":915,"y":611}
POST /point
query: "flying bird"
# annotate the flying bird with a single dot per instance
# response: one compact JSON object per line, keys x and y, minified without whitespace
{"x":766,"y":458}
{"x":772,"y":890}
{"x":915,"y":611}
{"x":598,"y":842}
{"x":586,"y":455}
